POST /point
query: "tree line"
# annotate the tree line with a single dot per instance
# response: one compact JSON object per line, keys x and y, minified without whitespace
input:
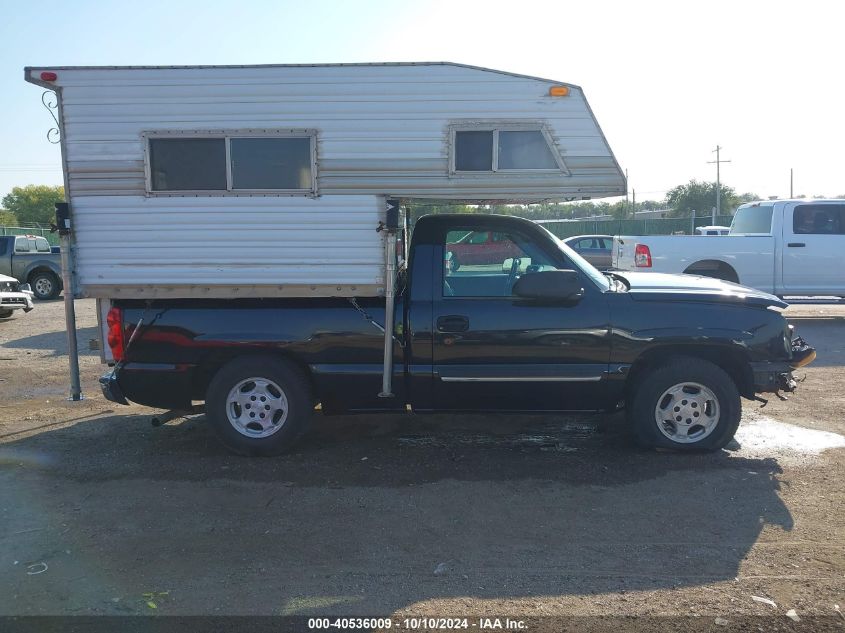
{"x":34,"y":204}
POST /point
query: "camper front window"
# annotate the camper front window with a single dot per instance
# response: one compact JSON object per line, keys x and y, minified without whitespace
{"x":503,"y":149}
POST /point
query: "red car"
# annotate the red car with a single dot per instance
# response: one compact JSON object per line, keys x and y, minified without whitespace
{"x":480,"y":247}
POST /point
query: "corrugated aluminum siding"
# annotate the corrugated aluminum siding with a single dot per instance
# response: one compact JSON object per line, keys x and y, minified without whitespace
{"x":263,"y":246}
{"x":382,"y":129}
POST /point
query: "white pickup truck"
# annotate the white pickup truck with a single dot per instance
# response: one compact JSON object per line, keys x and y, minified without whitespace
{"x":784,"y":247}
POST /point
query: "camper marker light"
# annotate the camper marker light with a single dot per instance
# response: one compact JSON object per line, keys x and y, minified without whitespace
{"x":49,"y":76}
{"x":559,"y":91}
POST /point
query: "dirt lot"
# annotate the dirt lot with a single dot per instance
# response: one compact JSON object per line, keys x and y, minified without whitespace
{"x":446,"y":515}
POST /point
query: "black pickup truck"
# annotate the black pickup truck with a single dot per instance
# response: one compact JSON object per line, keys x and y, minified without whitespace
{"x":540,"y":331}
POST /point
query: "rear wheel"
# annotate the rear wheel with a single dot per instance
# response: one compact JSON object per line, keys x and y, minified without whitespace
{"x":259,"y":405}
{"x":45,"y":285}
{"x":686,"y":404}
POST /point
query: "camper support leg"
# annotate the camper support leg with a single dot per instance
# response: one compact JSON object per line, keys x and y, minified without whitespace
{"x":63,"y":224}
{"x":390,"y":227}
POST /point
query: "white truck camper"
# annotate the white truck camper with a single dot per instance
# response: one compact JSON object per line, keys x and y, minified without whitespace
{"x":273,"y":180}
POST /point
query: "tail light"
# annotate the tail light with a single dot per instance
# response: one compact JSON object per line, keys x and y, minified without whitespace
{"x":642,"y":256}
{"x":114,"y":322}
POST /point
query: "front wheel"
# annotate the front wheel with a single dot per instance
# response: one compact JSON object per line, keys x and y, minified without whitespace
{"x":5,"y":314}
{"x":45,"y":285}
{"x":259,"y":405}
{"x":686,"y":404}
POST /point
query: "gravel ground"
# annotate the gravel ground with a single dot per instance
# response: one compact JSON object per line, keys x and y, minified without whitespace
{"x":444,"y":515}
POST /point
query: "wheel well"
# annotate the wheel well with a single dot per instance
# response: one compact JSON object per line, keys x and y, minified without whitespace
{"x":209,"y":367}
{"x":733,"y":362}
{"x":713,"y":268}
{"x":43,"y":269}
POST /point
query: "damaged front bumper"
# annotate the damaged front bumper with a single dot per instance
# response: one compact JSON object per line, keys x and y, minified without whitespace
{"x":775,"y":376}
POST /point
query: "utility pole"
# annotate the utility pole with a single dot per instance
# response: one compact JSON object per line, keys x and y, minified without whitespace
{"x":627,"y":202}
{"x":790,"y":183}
{"x":718,"y":183}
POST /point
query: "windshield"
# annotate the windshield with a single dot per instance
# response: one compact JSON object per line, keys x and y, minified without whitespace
{"x":756,"y":219}
{"x":591,"y":271}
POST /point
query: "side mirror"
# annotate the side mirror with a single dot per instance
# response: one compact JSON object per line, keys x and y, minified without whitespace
{"x":25,"y":288}
{"x":550,"y":285}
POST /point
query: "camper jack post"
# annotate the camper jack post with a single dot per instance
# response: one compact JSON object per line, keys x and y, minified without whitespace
{"x":390,"y":228}
{"x":64,"y":226}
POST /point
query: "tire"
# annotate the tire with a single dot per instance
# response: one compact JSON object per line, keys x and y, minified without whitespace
{"x":45,"y":285}
{"x":5,"y":314}
{"x":683,"y":387}
{"x":259,"y":386}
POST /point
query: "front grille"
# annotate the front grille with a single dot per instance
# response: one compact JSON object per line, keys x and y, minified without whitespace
{"x":8,"y":286}
{"x":12,"y":301}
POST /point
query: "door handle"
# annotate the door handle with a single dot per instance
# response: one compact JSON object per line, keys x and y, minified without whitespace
{"x":796,"y":245}
{"x":452,"y":323}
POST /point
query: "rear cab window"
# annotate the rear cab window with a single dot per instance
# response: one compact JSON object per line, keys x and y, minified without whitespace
{"x":755,"y":219}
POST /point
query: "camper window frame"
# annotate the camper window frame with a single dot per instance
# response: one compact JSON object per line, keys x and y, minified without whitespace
{"x":503,"y":126}
{"x":227,"y":135}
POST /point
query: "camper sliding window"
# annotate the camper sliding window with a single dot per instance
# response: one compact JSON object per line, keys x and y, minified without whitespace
{"x":231,"y":163}
{"x":504,"y":148}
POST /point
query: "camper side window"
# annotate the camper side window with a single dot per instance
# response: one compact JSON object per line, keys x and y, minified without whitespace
{"x":232,"y":162}
{"x":188,"y":164}
{"x":503,"y":149}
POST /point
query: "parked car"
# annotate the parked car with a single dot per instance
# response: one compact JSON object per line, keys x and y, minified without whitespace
{"x":30,"y":259}
{"x":785,"y":247}
{"x":14,"y":296}
{"x":546,"y":333}
{"x":477,"y":248}
{"x":596,"y":249}
{"x":712,"y":230}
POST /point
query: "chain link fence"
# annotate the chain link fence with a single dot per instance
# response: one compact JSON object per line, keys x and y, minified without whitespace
{"x":651,"y":226}
{"x":53,"y":238}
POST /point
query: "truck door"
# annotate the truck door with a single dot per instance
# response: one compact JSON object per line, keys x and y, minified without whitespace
{"x":813,"y":243}
{"x":494,"y":351}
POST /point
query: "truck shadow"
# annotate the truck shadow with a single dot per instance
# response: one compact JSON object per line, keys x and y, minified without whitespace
{"x":56,"y":342}
{"x":497,"y":506}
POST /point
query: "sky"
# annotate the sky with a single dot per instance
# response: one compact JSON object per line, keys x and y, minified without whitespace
{"x":667,"y":81}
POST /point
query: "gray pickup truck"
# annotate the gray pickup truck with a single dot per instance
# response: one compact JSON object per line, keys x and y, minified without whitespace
{"x":30,"y":259}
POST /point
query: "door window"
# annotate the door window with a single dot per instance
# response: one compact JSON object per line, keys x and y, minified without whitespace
{"x":490,"y":268}
{"x":819,"y":219}
{"x":21,"y":245}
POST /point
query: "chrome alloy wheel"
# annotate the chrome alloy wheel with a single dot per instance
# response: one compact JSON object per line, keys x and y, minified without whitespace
{"x":687,"y":412}
{"x":257,"y":407}
{"x":43,"y":287}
